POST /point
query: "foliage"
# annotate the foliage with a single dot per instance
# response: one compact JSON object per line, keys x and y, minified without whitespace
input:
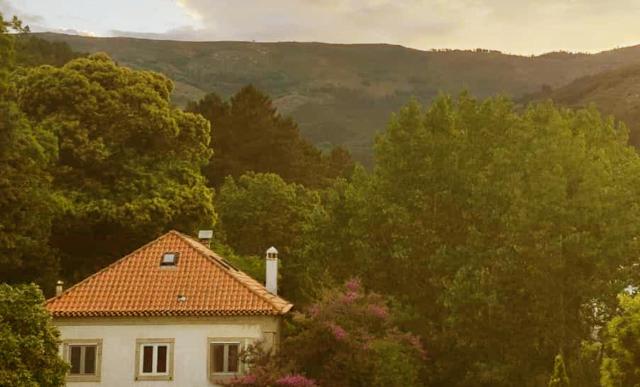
{"x":349,"y":337}
{"x":32,"y":50}
{"x":27,"y":202}
{"x":129,"y":163}
{"x":267,"y":370}
{"x":497,"y":228}
{"x":621,"y":362}
{"x":611,"y":91}
{"x":559,"y":376}
{"x":585,"y":367}
{"x":28,"y":340}
{"x":257,"y":211}
{"x":249,"y":135}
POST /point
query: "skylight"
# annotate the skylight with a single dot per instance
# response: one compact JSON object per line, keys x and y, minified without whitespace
{"x":169,"y":259}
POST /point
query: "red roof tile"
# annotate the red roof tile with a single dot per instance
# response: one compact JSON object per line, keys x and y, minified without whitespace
{"x":137,"y":285}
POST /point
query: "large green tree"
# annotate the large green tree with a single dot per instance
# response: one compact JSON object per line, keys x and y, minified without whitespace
{"x":27,"y":202}
{"x":621,"y":362}
{"x":501,"y":228}
{"x":28,"y":340}
{"x":250,"y":135}
{"x":259,"y":210}
{"x":129,"y":163}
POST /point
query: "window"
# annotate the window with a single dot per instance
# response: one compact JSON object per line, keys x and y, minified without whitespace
{"x":224,"y":357}
{"x":154,"y":359}
{"x":169,"y":259}
{"x":83,"y":357}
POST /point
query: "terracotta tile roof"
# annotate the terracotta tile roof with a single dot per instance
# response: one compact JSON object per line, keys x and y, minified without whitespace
{"x":137,"y":285}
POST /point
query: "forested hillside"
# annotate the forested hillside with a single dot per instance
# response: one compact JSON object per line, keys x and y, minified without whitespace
{"x":342,"y":94}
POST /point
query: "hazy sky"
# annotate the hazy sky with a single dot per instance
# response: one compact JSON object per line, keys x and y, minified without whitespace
{"x":516,"y":26}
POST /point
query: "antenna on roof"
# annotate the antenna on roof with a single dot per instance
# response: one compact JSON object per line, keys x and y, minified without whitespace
{"x":205,"y":237}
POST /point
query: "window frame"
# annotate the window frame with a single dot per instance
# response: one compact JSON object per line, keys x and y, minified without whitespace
{"x":219,"y":376}
{"x":66,"y":356}
{"x":140,"y":343}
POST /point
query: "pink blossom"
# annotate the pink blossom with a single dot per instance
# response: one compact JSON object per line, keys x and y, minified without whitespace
{"x":353,"y":285}
{"x":349,"y":297}
{"x":338,"y":332}
{"x":416,"y":343}
{"x":314,"y":310}
{"x":379,"y":311}
{"x":295,"y":381}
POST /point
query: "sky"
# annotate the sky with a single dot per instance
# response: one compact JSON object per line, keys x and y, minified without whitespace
{"x":514,"y":26}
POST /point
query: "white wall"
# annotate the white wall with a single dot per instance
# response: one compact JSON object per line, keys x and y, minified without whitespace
{"x":190,"y":351}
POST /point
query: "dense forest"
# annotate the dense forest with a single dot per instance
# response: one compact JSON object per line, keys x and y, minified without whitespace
{"x":489,"y":245}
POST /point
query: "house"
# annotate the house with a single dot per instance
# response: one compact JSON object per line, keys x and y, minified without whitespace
{"x":172,"y":313}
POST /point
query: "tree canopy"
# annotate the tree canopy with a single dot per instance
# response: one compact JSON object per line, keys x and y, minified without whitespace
{"x":621,"y":365}
{"x":250,"y":135}
{"x":129,"y":163}
{"x":503,"y":230}
{"x":27,"y":202}
{"x":28,"y":340}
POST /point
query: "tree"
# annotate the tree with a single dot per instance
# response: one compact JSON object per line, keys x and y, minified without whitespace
{"x":559,"y":376}
{"x":505,"y":213}
{"x":129,"y":163}
{"x":500,"y":228}
{"x":621,"y":365}
{"x":28,"y":340}
{"x":250,"y":135}
{"x":34,"y":51}
{"x":27,"y":201}
{"x":259,"y":210}
{"x":349,"y":337}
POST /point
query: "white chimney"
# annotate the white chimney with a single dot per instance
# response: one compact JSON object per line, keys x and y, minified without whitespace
{"x":205,"y":237}
{"x":271,"y":282}
{"x":59,"y":288}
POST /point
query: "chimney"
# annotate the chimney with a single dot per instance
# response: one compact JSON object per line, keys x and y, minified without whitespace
{"x":59,"y":287}
{"x":271,"y":282}
{"x":205,"y":237}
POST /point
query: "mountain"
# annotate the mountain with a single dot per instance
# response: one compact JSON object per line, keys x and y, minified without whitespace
{"x":614,"y":92}
{"x":344,"y":93}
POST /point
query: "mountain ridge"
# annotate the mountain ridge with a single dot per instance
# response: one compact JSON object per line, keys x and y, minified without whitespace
{"x":344,"y":93}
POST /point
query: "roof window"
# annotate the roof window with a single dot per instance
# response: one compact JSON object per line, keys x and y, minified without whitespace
{"x":169,"y":259}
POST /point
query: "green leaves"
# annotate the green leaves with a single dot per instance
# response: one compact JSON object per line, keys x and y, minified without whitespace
{"x":249,"y":135}
{"x":499,"y":228}
{"x":129,"y":163}
{"x":559,"y":376}
{"x":28,"y":340}
{"x":620,"y":365}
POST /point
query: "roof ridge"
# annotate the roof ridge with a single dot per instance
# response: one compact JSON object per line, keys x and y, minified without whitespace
{"x":110,"y":266}
{"x":216,"y":259}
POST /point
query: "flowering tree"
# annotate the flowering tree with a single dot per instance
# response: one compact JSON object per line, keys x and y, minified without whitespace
{"x":347,"y":338}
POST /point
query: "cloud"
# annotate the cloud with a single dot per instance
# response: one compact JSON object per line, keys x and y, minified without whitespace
{"x":516,"y":26}
{"x":8,"y":11}
{"x":318,"y":20}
